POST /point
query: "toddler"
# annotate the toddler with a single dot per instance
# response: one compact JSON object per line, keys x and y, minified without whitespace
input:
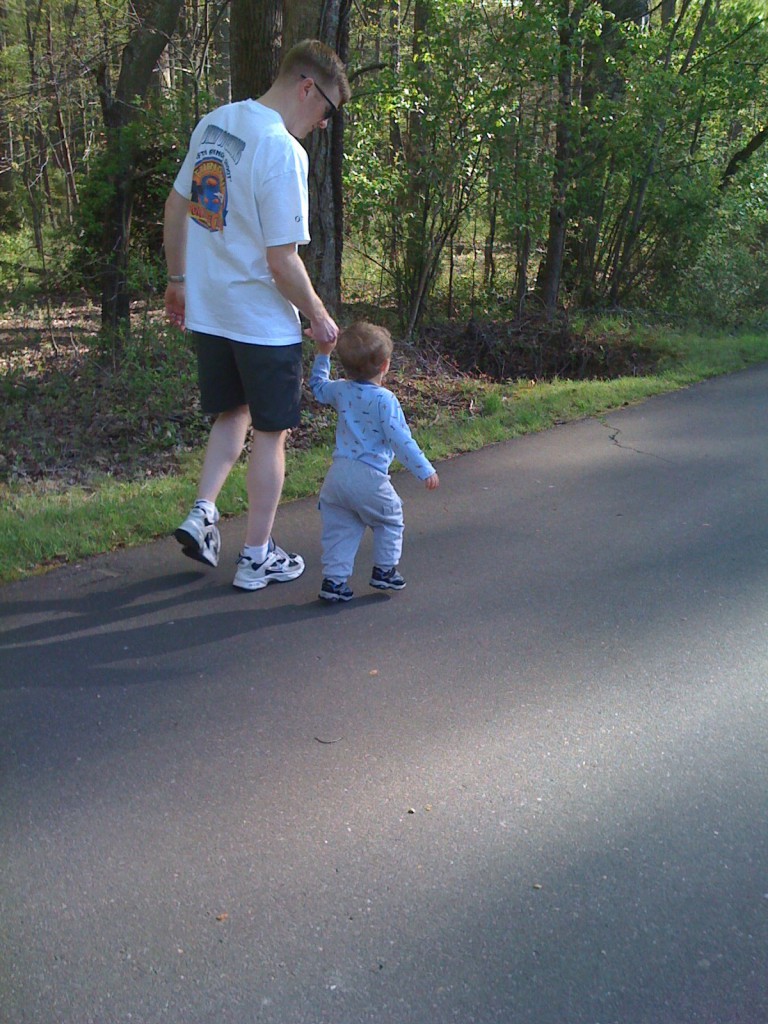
{"x":371,"y":430}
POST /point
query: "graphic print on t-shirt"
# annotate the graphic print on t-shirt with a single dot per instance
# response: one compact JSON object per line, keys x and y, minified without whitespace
{"x":209,"y":179}
{"x":209,"y":194}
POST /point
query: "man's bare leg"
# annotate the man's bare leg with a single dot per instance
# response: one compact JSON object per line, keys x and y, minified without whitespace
{"x":225,"y":443}
{"x":261,"y":561}
{"x":198,"y":534}
{"x":266,"y":475}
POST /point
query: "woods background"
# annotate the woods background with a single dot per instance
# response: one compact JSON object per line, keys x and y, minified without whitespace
{"x":496,"y":157}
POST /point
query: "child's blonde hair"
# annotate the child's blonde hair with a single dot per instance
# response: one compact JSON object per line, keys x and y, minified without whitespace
{"x":363,"y":349}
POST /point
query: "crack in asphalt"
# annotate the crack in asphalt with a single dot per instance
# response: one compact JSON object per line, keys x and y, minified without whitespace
{"x":614,"y":438}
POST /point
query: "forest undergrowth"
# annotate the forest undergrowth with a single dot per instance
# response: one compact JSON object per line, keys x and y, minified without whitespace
{"x":72,"y":413}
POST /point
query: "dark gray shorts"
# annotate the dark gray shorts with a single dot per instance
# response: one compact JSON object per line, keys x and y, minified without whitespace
{"x":266,"y":378}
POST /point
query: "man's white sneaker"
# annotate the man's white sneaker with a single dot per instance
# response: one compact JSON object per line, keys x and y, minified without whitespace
{"x":199,"y":536}
{"x":279,"y":566}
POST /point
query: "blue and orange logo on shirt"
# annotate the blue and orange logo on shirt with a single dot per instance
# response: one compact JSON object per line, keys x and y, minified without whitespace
{"x":208,"y":206}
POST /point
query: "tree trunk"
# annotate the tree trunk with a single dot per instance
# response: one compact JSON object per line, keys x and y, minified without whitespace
{"x":116,"y":236}
{"x":328,"y":22}
{"x":550,"y":271}
{"x":418,"y":202}
{"x":35,"y":142}
{"x":668,"y":11}
{"x":395,"y":135}
{"x":256,"y":31}
{"x":62,"y":150}
{"x":489,"y":254}
{"x":9,"y":213}
{"x":521,"y":273}
{"x":155,"y":21}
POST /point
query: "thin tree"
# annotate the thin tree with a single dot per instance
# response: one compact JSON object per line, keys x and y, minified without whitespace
{"x":568,"y":16}
{"x":154,"y":22}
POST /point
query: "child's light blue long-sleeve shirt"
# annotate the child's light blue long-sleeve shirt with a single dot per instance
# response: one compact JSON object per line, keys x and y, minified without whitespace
{"x":371,"y":426}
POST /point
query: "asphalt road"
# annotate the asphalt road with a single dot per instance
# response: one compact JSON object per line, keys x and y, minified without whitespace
{"x":529,"y":789}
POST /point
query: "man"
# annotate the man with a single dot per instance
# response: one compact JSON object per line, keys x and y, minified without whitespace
{"x":234,"y":219}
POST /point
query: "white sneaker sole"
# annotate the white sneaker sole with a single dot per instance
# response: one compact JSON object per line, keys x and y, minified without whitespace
{"x":192,"y":549}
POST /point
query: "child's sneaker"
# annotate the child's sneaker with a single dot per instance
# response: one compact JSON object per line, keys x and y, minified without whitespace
{"x":386,"y":579}
{"x":279,"y":566}
{"x":330,"y":591}
{"x":199,"y":536}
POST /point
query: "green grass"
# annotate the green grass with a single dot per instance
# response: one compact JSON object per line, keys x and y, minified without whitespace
{"x":44,"y":530}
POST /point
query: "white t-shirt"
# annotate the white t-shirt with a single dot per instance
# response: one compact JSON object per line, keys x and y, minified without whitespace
{"x":246,"y":177}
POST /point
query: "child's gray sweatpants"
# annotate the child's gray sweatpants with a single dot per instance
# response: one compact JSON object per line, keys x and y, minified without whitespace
{"x":353,"y":497}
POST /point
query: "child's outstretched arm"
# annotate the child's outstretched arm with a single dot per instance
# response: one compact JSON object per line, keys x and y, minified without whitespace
{"x":399,"y":437}
{"x":320,"y":383}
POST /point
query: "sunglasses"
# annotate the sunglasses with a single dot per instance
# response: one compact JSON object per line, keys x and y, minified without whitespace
{"x":332,"y":108}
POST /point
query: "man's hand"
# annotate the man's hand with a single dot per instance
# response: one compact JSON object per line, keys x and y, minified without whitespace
{"x":175,"y":303}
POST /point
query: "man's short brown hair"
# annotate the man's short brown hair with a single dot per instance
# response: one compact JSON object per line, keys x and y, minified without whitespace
{"x":314,"y":59}
{"x":363,"y":349}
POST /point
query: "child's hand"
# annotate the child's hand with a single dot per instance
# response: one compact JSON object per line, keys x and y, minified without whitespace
{"x":432,"y":482}
{"x":325,"y":347}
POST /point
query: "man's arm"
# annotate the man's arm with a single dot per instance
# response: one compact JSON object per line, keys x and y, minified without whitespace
{"x":293,"y":283}
{"x":175,"y":245}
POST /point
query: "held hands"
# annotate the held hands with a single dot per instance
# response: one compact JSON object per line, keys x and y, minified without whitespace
{"x":325,"y":347}
{"x":323,"y":331}
{"x":432,"y":482}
